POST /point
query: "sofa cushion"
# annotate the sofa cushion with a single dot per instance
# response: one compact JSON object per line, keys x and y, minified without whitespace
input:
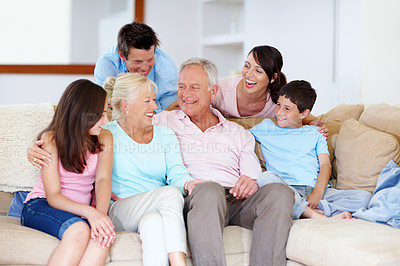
{"x":361,"y":154}
{"x":343,"y":112}
{"x":237,"y":243}
{"x":20,"y":126}
{"x":382,"y":117}
{"x":5,"y":200}
{"x":126,"y":250}
{"x":23,"y":245}
{"x":332,"y":242}
{"x":334,"y":128}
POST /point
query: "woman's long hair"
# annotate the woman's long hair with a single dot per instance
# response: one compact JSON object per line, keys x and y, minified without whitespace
{"x":79,"y":109}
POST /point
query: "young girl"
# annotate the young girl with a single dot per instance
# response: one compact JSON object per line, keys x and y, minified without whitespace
{"x":59,"y":203}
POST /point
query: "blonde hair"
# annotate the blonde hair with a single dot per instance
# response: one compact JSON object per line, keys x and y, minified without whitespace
{"x":127,"y":86}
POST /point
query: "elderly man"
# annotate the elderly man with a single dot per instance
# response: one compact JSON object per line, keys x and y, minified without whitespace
{"x":223,"y":152}
{"x":137,"y":52}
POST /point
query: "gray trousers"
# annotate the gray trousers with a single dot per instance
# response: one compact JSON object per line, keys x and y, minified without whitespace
{"x":268,"y":212}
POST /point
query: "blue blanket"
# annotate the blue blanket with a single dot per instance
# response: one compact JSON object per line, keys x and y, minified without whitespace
{"x":384,"y":206}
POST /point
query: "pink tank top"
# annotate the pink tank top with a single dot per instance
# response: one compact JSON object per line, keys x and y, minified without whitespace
{"x":76,"y":187}
{"x":226,"y":102}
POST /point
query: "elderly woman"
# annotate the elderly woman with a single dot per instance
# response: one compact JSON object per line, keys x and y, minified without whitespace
{"x":148,"y":175}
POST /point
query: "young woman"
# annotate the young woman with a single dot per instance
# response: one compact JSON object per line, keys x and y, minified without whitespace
{"x":59,"y":203}
{"x":148,"y":175}
{"x":255,"y":92}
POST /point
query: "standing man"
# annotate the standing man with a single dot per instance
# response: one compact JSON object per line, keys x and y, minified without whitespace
{"x":223,"y":152}
{"x":137,"y":52}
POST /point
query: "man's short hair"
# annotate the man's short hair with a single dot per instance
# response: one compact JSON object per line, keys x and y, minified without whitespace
{"x":209,"y":67}
{"x":300,"y":93}
{"x":137,"y":35}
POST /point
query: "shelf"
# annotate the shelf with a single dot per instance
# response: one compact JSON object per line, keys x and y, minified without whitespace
{"x":224,"y":39}
{"x":221,"y":18}
{"x":228,"y":2}
{"x":222,"y":34}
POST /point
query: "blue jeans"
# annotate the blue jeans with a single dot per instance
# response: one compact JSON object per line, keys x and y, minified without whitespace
{"x":333,"y":202}
{"x":37,"y":214}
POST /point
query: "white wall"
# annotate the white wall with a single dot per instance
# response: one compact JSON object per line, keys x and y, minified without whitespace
{"x":22,"y":42}
{"x":359,"y":63}
{"x":380,"y":52}
{"x":303,"y":32}
{"x":29,"y":89}
{"x":71,"y":31}
{"x":177,"y":24}
{"x":84,"y":20}
{"x":119,"y":13}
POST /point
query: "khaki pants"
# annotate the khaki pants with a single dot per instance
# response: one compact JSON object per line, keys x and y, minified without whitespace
{"x":157,"y":216}
{"x":268,"y":212}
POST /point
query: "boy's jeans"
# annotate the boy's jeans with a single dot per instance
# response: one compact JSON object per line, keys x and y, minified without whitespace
{"x":333,"y":202}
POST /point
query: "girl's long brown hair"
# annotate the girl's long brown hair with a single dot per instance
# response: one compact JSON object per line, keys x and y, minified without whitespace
{"x":79,"y":109}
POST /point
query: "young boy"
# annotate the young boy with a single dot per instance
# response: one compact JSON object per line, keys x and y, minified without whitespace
{"x":298,"y":156}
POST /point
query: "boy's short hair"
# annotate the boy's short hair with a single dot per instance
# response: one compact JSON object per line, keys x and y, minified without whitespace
{"x":300,"y":93}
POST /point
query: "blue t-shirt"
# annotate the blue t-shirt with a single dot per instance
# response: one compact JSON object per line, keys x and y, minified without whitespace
{"x":292,"y":153}
{"x":164,"y":74}
{"x":141,"y":167}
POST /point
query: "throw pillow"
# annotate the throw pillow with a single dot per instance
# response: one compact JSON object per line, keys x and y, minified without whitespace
{"x":333,"y":127}
{"x":20,"y":126}
{"x":343,"y":112}
{"x":383,"y":117}
{"x":361,"y":154}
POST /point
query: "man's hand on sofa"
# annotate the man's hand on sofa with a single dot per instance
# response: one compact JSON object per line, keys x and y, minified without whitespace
{"x":37,"y":156}
{"x":244,"y":187}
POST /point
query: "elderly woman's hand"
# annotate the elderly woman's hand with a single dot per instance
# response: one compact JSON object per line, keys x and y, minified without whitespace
{"x":37,"y":156}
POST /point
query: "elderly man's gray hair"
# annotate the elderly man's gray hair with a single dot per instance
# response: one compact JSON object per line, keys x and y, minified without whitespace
{"x":209,"y":67}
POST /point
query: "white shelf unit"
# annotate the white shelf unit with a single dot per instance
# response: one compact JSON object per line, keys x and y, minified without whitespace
{"x":222,"y":34}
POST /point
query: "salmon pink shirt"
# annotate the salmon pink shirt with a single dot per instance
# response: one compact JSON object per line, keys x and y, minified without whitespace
{"x":222,"y":153}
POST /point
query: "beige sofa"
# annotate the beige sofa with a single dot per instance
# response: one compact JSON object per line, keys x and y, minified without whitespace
{"x":359,"y":147}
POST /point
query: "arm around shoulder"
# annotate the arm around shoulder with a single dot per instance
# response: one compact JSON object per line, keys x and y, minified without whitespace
{"x":103,"y":172}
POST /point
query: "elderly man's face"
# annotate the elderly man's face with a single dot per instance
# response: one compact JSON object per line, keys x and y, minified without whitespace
{"x":194,"y":98}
